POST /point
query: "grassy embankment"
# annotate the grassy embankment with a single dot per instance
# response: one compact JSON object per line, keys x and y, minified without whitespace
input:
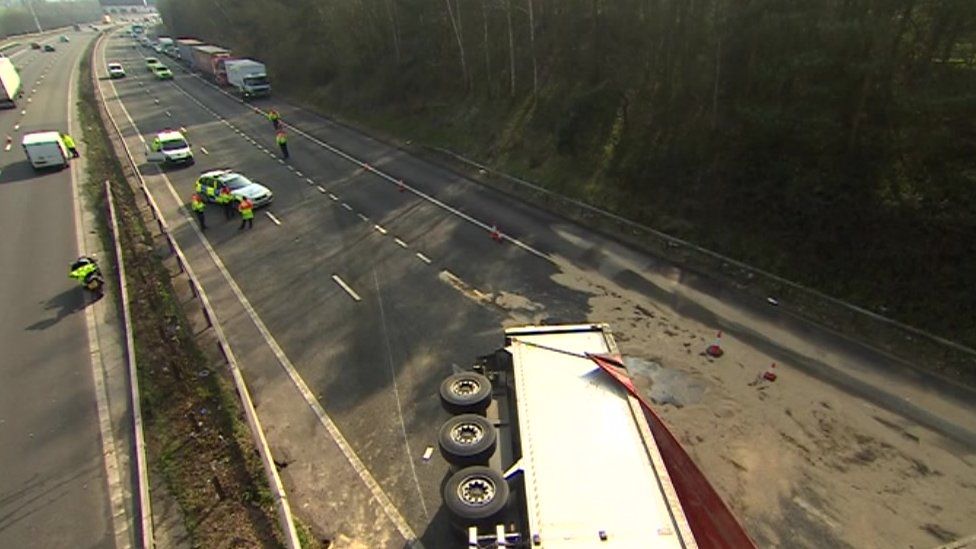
{"x":196,"y":437}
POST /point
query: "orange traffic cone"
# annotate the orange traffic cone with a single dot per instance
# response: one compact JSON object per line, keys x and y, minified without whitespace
{"x":495,"y":235}
{"x":715,"y":349}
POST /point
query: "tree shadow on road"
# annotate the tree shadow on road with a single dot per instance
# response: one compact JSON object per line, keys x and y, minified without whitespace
{"x":69,"y":301}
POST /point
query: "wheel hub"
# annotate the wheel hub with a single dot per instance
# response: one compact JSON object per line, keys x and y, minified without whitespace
{"x":466,"y":387}
{"x":467,"y":434}
{"x":476,"y":491}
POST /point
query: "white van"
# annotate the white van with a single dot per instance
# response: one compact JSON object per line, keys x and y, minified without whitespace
{"x":46,"y":150}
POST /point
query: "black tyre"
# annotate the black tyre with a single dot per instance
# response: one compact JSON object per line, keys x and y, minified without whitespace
{"x":95,"y":283}
{"x":467,"y":439}
{"x":475,"y":496}
{"x":466,"y":393}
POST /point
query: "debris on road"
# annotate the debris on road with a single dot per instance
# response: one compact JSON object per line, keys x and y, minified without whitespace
{"x":715,"y":349}
{"x":768,"y":375}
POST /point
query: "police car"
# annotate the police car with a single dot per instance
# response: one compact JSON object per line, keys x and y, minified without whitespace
{"x":170,"y":147}
{"x":209,"y":186}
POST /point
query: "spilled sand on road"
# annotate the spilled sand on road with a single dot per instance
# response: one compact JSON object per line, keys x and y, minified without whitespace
{"x":799,"y":461}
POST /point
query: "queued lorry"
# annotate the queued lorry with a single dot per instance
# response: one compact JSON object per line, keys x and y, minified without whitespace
{"x":550,"y":445}
{"x":248,"y":77}
{"x":184,"y":47}
{"x":9,"y":83}
{"x":165,"y":44}
{"x":210,"y":61}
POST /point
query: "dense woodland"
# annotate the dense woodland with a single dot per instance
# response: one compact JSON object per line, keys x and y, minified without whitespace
{"x":832,"y":142}
{"x":19,"y":20}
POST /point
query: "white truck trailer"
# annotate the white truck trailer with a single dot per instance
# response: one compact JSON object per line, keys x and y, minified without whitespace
{"x":45,"y":150}
{"x":548,"y":448}
{"x":248,"y":77}
{"x":9,"y":83}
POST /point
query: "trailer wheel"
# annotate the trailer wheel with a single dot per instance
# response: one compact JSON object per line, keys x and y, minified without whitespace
{"x":476,"y":496}
{"x":465,"y":393}
{"x":467,"y":439}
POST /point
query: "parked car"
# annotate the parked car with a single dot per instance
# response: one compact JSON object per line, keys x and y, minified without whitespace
{"x":210,"y":183}
{"x":48,"y":47}
{"x":170,"y":148}
{"x":115,"y":70}
{"x":35,"y":46}
{"x":64,"y":38}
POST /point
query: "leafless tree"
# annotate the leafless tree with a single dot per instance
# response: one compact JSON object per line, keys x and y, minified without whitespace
{"x":454,"y":13}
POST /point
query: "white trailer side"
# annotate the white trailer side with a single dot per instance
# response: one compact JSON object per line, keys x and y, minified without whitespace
{"x":580,"y":467}
{"x":9,"y":83}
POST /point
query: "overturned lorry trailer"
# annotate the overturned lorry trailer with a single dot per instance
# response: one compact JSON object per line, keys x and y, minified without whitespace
{"x":210,"y":61}
{"x":550,"y":446}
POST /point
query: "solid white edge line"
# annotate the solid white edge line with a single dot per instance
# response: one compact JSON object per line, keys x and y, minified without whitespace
{"x":396,"y":394}
{"x":344,"y":286}
{"x":355,"y":462}
{"x":281,"y":500}
{"x":110,"y":457}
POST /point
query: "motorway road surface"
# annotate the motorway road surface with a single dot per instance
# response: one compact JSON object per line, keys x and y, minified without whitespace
{"x":353,"y":297}
{"x":55,"y":485}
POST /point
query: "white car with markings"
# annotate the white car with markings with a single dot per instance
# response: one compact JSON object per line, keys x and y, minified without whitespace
{"x":209,"y":185}
{"x":170,"y":147}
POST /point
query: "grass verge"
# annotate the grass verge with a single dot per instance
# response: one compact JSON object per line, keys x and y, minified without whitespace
{"x":196,"y":439}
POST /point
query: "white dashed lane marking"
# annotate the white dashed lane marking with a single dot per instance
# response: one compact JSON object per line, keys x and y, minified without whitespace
{"x":204,"y":150}
{"x":273,"y":218}
{"x":400,"y":243}
{"x":342,"y":284}
{"x":363,"y":217}
{"x":380,"y":229}
{"x":423,"y":258}
{"x":347,"y":206}
{"x":321,"y":190}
